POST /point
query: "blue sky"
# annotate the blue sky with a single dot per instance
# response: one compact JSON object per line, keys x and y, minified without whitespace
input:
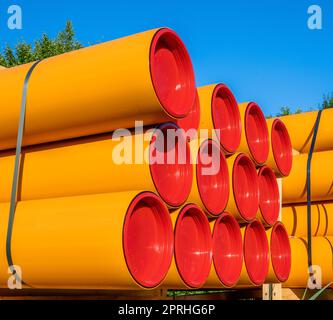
{"x":262,"y":49}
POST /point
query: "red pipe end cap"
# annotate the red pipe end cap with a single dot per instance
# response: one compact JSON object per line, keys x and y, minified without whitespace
{"x":192,"y":120}
{"x":172,"y":73}
{"x":227,"y":250}
{"x":226,"y":118}
{"x":148,"y":240}
{"x":193,"y":246}
{"x":212,"y":177}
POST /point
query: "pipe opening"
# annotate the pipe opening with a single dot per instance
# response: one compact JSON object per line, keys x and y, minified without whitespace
{"x":269,"y":196}
{"x":193,"y":246}
{"x":227,"y":250}
{"x":256,"y":252}
{"x":172,"y":73}
{"x":148,"y":240}
{"x":245,"y":187}
{"x":280,"y":252}
{"x":212,"y":177}
{"x":281,"y":146}
{"x":226,"y":118}
{"x":256,"y":132}
{"x":192,"y":120}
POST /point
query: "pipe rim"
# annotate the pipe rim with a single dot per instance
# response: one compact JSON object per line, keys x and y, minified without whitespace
{"x":147,"y":265}
{"x":226,"y":118}
{"x":280,"y":252}
{"x":173,"y":182}
{"x":256,"y":252}
{"x":172,"y":73}
{"x":256,"y":132}
{"x":227,"y":249}
{"x":245,"y":187}
{"x":282,"y":147}
{"x":269,"y":195}
{"x":192,"y":120}
{"x":193,"y":246}
{"x":213,"y":189}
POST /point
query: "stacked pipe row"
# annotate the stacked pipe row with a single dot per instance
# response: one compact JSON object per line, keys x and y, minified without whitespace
{"x":87,"y":217}
{"x":295,"y":211}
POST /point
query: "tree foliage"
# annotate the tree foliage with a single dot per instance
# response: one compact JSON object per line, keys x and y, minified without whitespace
{"x":43,"y":48}
{"x":327,"y":101}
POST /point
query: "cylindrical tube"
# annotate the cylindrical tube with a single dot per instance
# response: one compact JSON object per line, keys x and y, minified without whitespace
{"x":280,"y":254}
{"x":220,"y":116}
{"x":210,"y":187}
{"x":255,"y":139}
{"x":146,"y":76}
{"x":294,"y":187}
{"x":322,"y":258}
{"x":105,"y":164}
{"x":227,"y":253}
{"x":256,"y":255}
{"x":295,"y":218}
{"x":280,"y":156}
{"x":301,"y":127}
{"x":107,"y":241}
{"x":269,"y":196}
{"x":192,"y":250}
{"x":243,"y":201}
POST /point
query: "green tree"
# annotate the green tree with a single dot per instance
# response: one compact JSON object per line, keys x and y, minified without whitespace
{"x":43,"y":48}
{"x":284,"y":111}
{"x":327,"y":101}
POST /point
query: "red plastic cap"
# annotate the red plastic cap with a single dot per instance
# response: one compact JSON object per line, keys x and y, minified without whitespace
{"x":170,"y":164}
{"x":226,"y":118}
{"x":269,"y":196}
{"x":192,"y":120}
{"x":256,"y":132}
{"x":280,"y":252}
{"x":227,"y":250}
{"x":148,"y":240}
{"x":193,"y":246}
{"x":212,"y":177}
{"x":245,"y":187}
{"x":282,"y":148}
{"x":256,"y":252}
{"x":172,"y":73}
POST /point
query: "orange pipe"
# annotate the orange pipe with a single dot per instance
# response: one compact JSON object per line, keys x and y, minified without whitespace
{"x":210,"y":187}
{"x":269,"y":196}
{"x":192,"y":251}
{"x":254,"y":139}
{"x":280,"y":156}
{"x":295,"y":219}
{"x":227,"y":253}
{"x":220,"y":116}
{"x":93,"y":166}
{"x":146,"y":76}
{"x":294,"y":186}
{"x":243,"y":201}
{"x":321,"y":257}
{"x":90,"y":242}
{"x":300,"y":127}
{"x":280,"y":254}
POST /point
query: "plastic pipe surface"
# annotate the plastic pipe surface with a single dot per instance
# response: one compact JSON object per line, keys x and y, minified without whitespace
{"x":147,"y":76}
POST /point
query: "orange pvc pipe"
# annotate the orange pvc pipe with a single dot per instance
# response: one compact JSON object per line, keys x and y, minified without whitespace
{"x":295,"y":219}
{"x":147,"y":76}
{"x":210,"y":187}
{"x":254,"y":139}
{"x":227,"y":253}
{"x":321,"y":256}
{"x":243,"y":201}
{"x":93,"y":166}
{"x":280,"y":254}
{"x":280,"y":156}
{"x":294,"y":186}
{"x":90,"y":242}
{"x":192,"y":250}
{"x":300,"y":127}
{"x":219,"y":114}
